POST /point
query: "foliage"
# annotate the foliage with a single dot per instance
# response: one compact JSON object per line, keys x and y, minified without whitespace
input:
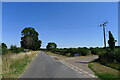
{"x":51,"y":46}
{"x":110,"y":58}
{"x":84,"y":52}
{"x":15,"y":49}
{"x":71,"y":51}
{"x":111,"y":41}
{"x":95,"y":51}
{"x":4,"y":48}
{"x":4,"y":45}
{"x":106,"y":56}
{"x":117,"y":55}
{"x":29,"y":39}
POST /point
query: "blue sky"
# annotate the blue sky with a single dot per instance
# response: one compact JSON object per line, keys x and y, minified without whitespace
{"x":67,"y":24}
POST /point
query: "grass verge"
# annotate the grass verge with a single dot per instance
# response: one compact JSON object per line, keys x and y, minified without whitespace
{"x":103,"y":72}
{"x":13,"y":65}
{"x":112,"y":65}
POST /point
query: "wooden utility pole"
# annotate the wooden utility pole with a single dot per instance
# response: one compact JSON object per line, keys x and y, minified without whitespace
{"x":103,"y":25}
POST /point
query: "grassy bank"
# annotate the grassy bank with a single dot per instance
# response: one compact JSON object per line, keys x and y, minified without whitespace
{"x":13,"y":65}
{"x":103,"y":72}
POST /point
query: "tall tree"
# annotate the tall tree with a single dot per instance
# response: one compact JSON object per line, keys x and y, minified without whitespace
{"x":29,"y":39}
{"x":111,"y":41}
{"x":4,"y":45}
{"x":4,"y":48}
{"x":51,"y":46}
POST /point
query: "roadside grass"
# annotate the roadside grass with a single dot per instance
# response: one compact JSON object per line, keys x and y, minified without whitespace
{"x":112,"y":65}
{"x":56,"y":56}
{"x":103,"y":72}
{"x":13,"y":65}
{"x":0,"y":67}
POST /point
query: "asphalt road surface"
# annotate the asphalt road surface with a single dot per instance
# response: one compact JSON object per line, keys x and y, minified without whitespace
{"x":44,"y":66}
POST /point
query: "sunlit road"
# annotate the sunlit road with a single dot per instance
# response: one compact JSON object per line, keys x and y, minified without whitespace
{"x":44,"y":66}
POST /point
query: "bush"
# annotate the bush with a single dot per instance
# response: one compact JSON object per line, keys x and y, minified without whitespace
{"x":15,"y":49}
{"x":84,"y":52}
{"x":103,"y":56}
{"x":4,"y":51}
{"x":95,"y":51}
{"x":110,"y":58}
{"x":107,"y":56}
{"x":117,"y":55}
{"x":71,"y":51}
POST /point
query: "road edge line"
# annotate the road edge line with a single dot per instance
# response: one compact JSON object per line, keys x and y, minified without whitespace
{"x":75,"y":68}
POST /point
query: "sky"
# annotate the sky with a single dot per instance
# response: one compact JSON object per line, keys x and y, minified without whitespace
{"x":60,"y":0}
{"x":68,"y":24}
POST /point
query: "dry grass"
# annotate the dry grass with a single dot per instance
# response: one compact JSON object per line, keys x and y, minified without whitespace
{"x":14,"y":64}
{"x":57,"y":56}
{"x":102,"y":71}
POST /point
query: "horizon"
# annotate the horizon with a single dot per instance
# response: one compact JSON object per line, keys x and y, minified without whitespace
{"x":65,"y":23}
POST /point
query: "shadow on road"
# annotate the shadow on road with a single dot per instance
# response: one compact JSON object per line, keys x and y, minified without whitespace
{"x":82,"y":62}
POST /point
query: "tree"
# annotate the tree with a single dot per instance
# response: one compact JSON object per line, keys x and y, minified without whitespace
{"x":4,"y":45}
{"x":4,"y":48}
{"x":51,"y":46}
{"x":29,"y":39}
{"x":111,"y":41}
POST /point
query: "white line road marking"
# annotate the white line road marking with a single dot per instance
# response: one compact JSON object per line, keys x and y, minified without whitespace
{"x":85,"y":72}
{"x":76,"y":69}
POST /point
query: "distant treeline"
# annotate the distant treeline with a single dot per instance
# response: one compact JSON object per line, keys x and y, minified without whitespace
{"x":82,"y":51}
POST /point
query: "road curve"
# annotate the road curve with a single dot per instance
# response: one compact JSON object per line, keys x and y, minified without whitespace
{"x":44,"y":66}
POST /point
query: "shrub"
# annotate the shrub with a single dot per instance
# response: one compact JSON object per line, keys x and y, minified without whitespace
{"x":95,"y":51}
{"x":117,"y":55}
{"x":106,"y":56}
{"x":4,"y":49}
{"x":84,"y":52}
{"x":71,"y":51}
{"x":15,"y":49}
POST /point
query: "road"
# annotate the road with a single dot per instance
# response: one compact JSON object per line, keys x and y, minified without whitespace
{"x":82,"y":62}
{"x":44,"y":66}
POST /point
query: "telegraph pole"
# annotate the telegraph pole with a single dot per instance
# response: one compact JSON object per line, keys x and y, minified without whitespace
{"x":103,"y":25}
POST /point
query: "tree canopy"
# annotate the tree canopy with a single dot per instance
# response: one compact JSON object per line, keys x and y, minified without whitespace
{"x":4,"y":48}
{"x":29,"y":39}
{"x":51,"y":46}
{"x":111,"y":41}
{"x":4,"y":45}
